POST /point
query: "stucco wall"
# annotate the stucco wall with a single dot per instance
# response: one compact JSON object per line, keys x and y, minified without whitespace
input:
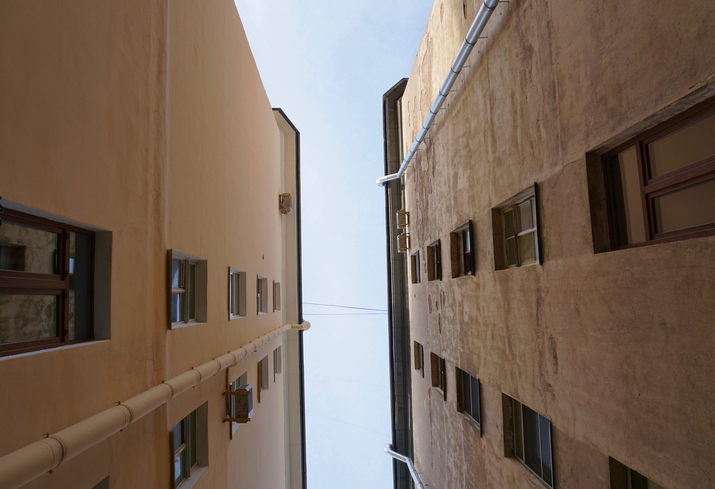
{"x":147,"y":119}
{"x":616,"y":348}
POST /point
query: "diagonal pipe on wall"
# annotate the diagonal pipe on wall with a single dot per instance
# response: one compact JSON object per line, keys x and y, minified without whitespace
{"x":415,"y":478}
{"x":21,"y":466}
{"x":480,"y":21}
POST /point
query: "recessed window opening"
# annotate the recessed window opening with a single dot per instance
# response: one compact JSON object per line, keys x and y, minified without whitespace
{"x":187,"y":283}
{"x":468,"y":397}
{"x":263,"y":381}
{"x":438,"y":369}
{"x":661,"y":184}
{"x":462,"y":257}
{"x":262,"y":295}
{"x":236,"y":293}
{"x":531,"y":434}
{"x":516,"y":237}
{"x":623,"y":477}
{"x":190,"y":447}
{"x":277,"y":363}
{"x":419,"y":358}
{"x":415,"y":267}
{"x":276,"y":296}
{"x":434,"y":261}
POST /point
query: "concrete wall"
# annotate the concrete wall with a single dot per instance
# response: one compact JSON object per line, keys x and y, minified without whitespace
{"x":616,"y":348}
{"x":147,"y":119}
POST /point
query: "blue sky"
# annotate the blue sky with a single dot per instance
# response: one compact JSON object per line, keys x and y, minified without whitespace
{"x":327,"y":65}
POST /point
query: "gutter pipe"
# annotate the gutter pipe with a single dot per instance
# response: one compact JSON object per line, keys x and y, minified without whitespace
{"x":480,"y":21}
{"x":402,"y":458}
{"x":21,"y":466}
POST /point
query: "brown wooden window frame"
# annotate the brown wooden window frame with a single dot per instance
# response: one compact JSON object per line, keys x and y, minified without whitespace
{"x":462,"y":263}
{"x":18,"y":282}
{"x":469,"y":392}
{"x":419,"y":358}
{"x":689,"y":175}
{"x":415,"y":267}
{"x":434,"y":261}
{"x":438,"y":371}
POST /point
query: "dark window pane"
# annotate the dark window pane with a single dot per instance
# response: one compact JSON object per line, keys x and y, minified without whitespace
{"x":27,"y":317}
{"x":684,"y":208}
{"x":27,"y":249}
{"x":689,"y":144}
{"x":545,"y":442}
{"x":178,"y":440}
{"x":518,"y":439}
{"x":476,"y":408}
{"x":626,"y":200}
{"x":178,"y":468}
{"x":509,"y":224}
{"x":638,"y":481}
{"x":192,"y":438}
{"x":80,"y":323}
{"x":191,"y":285}
{"x":531,"y":439}
{"x":466,"y":395}
{"x":511,"y":251}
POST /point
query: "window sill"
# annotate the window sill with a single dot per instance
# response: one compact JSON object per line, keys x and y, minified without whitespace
{"x":47,"y":349}
{"x":231,"y":318}
{"x":184,"y":325}
{"x":193,"y":478}
{"x":472,"y":422}
{"x":533,"y":474}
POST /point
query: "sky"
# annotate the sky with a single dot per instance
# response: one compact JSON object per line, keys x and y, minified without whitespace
{"x":327,"y":65}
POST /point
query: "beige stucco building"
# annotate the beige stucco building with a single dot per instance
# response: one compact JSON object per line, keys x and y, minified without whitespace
{"x":145,"y":266}
{"x":553,"y":294}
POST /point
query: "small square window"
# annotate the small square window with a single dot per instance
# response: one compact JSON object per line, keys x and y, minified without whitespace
{"x":434,"y":261}
{"x":262,"y":295}
{"x":468,"y":397}
{"x":190,"y":447}
{"x":528,"y":438}
{"x":462,"y":254}
{"x":263,"y":381}
{"x":187,"y":284}
{"x":277,"y":363}
{"x":419,"y":357}
{"x":236,"y":293}
{"x":516,"y":237}
{"x":415,"y":267}
{"x":276,"y":296}
{"x":438,"y":370}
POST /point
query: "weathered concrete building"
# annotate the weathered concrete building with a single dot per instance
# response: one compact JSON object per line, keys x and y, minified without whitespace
{"x":147,"y":264}
{"x":552,"y":290}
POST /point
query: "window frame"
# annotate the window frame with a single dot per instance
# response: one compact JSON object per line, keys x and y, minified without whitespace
{"x":276,"y":296}
{"x":241,"y":299}
{"x":14,"y":282}
{"x":514,"y":433}
{"x":438,"y":372}
{"x":463,"y":264}
{"x":277,"y":362}
{"x":415,"y":267}
{"x":261,"y":295}
{"x":263,"y":377}
{"x":419,"y":357}
{"x":501,"y":261}
{"x":196,"y":423}
{"x":474,"y":416}
{"x":200,"y":286}
{"x":694,"y":173}
{"x":434,"y":261}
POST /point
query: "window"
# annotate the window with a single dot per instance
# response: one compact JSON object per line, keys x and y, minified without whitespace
{"x":434,"y":261}
{"x":187,"y":282}
{"x":239,"y":408}
{"x":661,"y":184}
{"x":236,"y":293}
{"x":46,"y":283}
{"x":516,"y":237}
{"x":468,"y":399}
{"x":623,"y":477}
{"x":439,"y":373}
{"x":415,"y":267}
{"x":276,"y":296}
{"x":277,"y":363}
{"x":529,"y":435}
{"x":262,"y":295}
{"x":419,"y":355}
{"x":263,"y":383}
{"x":190,"y":447}
{"x":461,"y":255}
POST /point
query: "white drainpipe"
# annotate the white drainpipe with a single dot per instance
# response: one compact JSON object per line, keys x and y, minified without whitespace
{"x":410,"y":466}
{"x":480,"y":21}
{"x":28,"y":463}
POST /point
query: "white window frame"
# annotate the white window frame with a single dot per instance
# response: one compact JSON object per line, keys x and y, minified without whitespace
{"x":262,"y":295}
{"x":276,"y":296}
